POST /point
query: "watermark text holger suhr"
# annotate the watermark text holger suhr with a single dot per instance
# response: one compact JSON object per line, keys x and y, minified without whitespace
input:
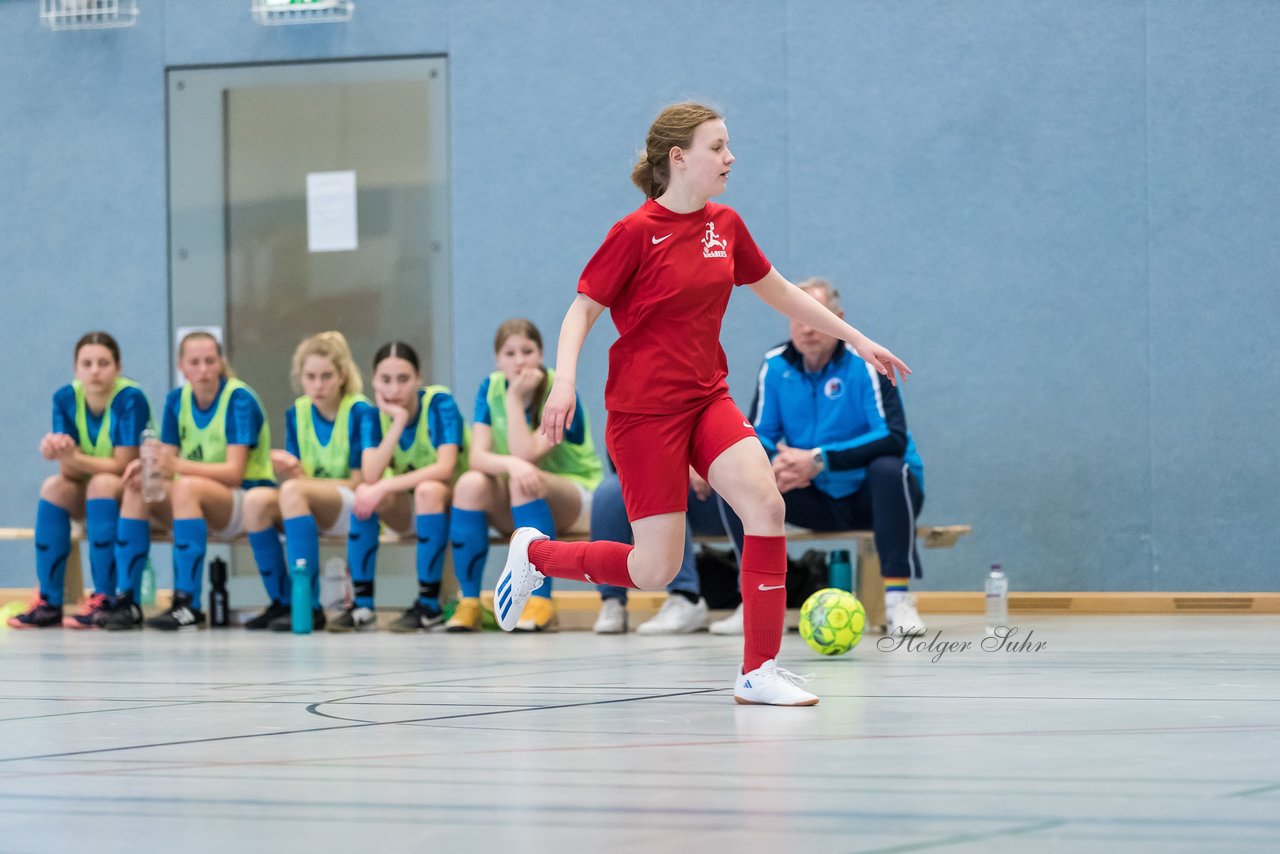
{"x":1000,"y":641}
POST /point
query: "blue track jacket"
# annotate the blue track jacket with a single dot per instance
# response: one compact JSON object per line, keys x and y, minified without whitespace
{"x":849,"y":411}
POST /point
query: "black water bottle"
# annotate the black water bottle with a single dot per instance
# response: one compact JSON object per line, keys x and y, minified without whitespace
{"x":219,"y":613}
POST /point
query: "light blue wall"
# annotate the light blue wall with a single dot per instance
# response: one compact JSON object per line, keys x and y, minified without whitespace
{"x":1063,"y":215}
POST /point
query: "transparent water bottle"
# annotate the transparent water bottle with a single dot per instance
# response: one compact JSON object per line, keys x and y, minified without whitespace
{"x":152,"y":470}
{"x":997,"y":595}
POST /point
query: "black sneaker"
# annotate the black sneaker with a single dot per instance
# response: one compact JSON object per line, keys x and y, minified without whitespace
{"x":417,"y":618}
{"x":41,"y":616}
{"x":126,"y":615}
{"x":180,"y":616}
{"x":263,"y":621}
{"x":93,"y":613}
{"x":354,"y":619}
{"x":284,"y":623}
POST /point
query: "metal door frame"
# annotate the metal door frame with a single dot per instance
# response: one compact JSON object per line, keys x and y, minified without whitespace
{"x":198,"y":285}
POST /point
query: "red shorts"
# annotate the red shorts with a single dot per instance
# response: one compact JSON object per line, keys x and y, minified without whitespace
{"x":653,"y":452}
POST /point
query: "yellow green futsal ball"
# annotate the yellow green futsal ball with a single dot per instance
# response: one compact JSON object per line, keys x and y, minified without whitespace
{"x":832,"y":620}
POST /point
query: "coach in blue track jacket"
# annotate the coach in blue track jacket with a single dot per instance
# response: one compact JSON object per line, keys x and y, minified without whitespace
{"x":843,"y":457}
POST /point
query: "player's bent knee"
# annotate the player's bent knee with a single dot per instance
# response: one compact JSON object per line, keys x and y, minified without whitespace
{"x":768,"y":512}
{"x":472,"y":488}
{"x":430,"y":497}
{"x":186,"y":497}
{"x":183,"y":489}
{"x":293,"y":498}
{"x":55,"y":488}
{"x":651,"y":579}
{"x":520,"y":495}
{"x":103,"y":486}
{"x":260,"y":508}
{"x":649,"y":574}
{"x":431,"y":490}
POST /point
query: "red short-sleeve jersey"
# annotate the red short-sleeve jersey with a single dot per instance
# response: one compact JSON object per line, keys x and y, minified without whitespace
{"x":666,"y":279}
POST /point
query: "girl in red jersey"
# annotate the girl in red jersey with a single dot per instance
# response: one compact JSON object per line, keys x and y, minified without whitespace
{"x":665,"y":272}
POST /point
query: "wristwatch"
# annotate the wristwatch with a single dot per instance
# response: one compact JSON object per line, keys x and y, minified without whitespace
{"x":819,"y":461}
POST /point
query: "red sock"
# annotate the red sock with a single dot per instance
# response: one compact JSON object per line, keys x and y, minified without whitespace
{"x":601,"y":562}
{"x":764,"y":598}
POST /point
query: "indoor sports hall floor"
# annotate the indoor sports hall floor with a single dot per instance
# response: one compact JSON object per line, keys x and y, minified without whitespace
{"x":1141,"y":734}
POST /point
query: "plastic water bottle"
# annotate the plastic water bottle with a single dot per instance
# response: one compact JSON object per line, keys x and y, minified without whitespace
{"x":335,"y":584}
{"x":148,"y":592}
{"x":840,"y":570}
{"x":997,"y":590}
{"x":152,"y":473}
{"x":300,"y":609}
{"x":219,"y":614}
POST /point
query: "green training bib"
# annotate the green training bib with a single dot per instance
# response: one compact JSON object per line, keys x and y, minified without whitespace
{"x":331,"y":461}
{"x":209,"y":444}
{"x":579,"y":463}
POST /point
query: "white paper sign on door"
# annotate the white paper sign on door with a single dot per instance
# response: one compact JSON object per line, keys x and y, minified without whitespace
{"x":331,"y":211}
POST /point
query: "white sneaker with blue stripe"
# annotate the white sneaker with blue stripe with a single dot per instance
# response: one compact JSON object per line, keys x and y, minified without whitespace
{"x":771,"y":685}
{"x":518,"y":579}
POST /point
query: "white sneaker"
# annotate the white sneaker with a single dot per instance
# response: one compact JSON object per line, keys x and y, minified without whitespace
{"x":518,"y":579}
{"x":612,"y":619}
{"x":357,"y":618}
{"x":677,"y":616}
{"x":730,"y":625}
{"x":770,"y":685}
{"x":364,"y":619}
{"x":900,"y":611}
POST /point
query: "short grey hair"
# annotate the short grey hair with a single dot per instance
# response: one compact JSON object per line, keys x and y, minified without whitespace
{"x":829,"y":290}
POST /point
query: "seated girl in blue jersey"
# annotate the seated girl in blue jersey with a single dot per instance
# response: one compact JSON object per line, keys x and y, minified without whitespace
{"x":217,"y":444}
{"x":411,"y":449}
{"x":98,"y":421}
{"x":516,"y":478}
{"x":318,"y":472}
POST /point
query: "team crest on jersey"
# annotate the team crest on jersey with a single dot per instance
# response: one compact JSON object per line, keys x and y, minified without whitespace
{"x":834,"y":388}
{"x":714,"y":246}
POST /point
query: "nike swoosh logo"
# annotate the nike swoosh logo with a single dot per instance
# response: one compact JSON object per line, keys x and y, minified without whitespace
{"x":657,"y":240}
{"x":746,"y":424}
{"x":774,"y":587}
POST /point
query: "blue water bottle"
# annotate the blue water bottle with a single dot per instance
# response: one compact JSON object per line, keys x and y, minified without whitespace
{"x":300,"y":609}
{"x":839,"y":570}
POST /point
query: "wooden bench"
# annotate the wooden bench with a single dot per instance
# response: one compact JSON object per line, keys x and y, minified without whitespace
{"x":868,"y":585}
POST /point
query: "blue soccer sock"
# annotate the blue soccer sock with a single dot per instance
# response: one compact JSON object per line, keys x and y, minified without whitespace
{"x":269,"y":555}
{"x":469,"y":536}
{"x":302,"y":541}
{"x":536,"y":514}
{"x":432,"y":529}
{"x":362,"y":557}
{"x":133,"y":544}
{"x":100,"y":518}
{"x":53,"y":543}
{"x":190,"y":540}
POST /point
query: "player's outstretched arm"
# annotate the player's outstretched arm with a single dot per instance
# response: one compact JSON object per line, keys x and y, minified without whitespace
{"x":557,"y":415}
{"x":784,"y":297}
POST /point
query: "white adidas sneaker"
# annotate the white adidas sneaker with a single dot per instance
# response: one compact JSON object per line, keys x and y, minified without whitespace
{"x":518,"y":579}
{"x":771,"y":685}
